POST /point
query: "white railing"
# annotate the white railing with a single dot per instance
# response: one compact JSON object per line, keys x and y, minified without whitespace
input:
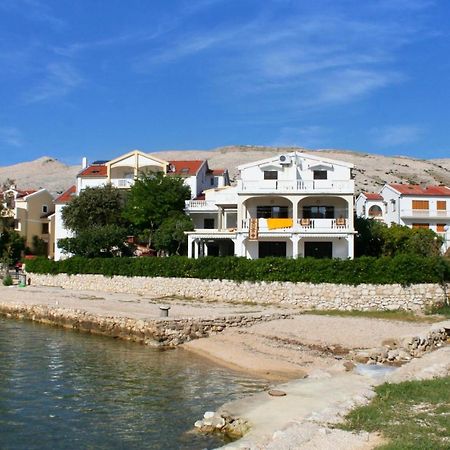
{"x":303,"y":225}
{"x":200,"y":204}
{"x":331,"y":186}
{"x":122,"y":182}
{"x":424,"y":213}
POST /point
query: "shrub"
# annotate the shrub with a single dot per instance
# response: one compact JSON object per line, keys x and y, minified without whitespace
{"x":403,"y":269}
{"x":7,"y":281}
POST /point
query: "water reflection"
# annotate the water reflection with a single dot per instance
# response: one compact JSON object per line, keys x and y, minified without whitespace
{"x":62,"y":389}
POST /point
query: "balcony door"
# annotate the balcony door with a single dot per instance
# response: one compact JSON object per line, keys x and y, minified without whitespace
{"x":318,"y":212}
{"x":266,"y":249}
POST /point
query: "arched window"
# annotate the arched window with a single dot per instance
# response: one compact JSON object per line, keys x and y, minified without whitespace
{"x":375,"y":211}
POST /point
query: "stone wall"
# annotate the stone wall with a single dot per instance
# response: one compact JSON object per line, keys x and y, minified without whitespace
{"x":303,"y":295}
{"x":158,"y":332}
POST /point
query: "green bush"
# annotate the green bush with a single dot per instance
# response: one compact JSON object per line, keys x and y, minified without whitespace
{"x":403,"y":269}
{"x":7,"y":280}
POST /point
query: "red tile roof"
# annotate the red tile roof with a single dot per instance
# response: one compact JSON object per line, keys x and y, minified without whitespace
{"x":66,"y":196}
{"x":372,"y":196}
{"x":413,"y":189}
{"x":186,"y":168}
{"x":23,"y":193}
{"x":217,"y":172}
{"x":93,"y":171}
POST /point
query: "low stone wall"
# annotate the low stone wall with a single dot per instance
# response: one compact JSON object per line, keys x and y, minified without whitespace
{"x":159,"y":332}
{"x":304,"y":295}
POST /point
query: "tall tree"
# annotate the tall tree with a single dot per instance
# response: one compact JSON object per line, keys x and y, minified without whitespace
{"x":94,"y":207}
{"x":151,"y":200}
{"x":170,"y":236}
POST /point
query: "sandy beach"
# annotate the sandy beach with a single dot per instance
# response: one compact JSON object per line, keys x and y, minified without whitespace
{"x":305,"y":350}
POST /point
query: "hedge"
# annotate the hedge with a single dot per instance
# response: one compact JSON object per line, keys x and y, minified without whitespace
{"x":403,"y":269}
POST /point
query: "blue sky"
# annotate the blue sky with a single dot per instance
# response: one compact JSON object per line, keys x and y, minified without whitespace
{"x":97,"y":78}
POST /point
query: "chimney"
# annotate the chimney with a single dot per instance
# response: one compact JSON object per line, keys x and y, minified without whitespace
{"x":84,"y":163}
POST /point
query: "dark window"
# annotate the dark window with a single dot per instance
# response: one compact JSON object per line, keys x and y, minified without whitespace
{"x":212,"y":181}
{"x":45,"y":209}
{"x":208,"y":223}
{"x":320,"y":174}
{"x":319,"y":249}
{"x":266,"y":249}
{"x":270,"y":175}
{"x":318,"y":212}
{"x":45,"y":228}
{"x":267,"y":212}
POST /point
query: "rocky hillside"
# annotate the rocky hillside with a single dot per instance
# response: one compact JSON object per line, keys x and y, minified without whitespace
{"x":371,"y":170}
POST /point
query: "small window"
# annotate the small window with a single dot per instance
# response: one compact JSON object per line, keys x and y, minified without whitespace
{"x":45,"y":228}
{"x":212,"y":181}
{"x":271,"y":175}
{"x":420,"y":204}
{"x":208,"y":224}
{"x":441,"y":205}
{"x":440,"y":227}
{"x":425,"y":226}
{"x":320,"y":174}
{"x":45,"y":209}
{"x":393,"y":204}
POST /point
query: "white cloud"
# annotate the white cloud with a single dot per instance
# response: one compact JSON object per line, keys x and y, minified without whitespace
{"x":59,"y":80}
{"x":312,"y":136}
{"x":396,"y":135}
{"x":11,"y":136}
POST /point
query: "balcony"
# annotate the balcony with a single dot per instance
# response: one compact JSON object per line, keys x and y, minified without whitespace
{"x":200,"y":206}
{"x":297,"y":186}
{"x":424,"y":214}
{"x":302,"y":225}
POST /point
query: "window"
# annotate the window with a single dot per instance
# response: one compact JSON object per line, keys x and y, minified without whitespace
{"x":17,"y":224}
{"x":425,"y":226}
{"x":318,"y":212}
{"x":268,"y":212}
{"x":270,"y":175}
{"x":440,"y":227}
{"x":441,"y":205}
{"x":45,"y":209}
{"x":375,"y":211}
{"x":421,"y":204}
{"x":208,"y":224}
{"x":320,"y":174}
{"x":212,"y":181}
{"x":393,"y":204}
{"x":45,"y":228}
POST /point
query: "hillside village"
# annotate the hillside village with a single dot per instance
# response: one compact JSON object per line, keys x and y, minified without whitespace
{"x":291,"y":203}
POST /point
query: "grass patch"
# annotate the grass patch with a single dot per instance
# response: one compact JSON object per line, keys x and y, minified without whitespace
{"x":406,"y":316}
{"x":411,"y":415}
{"x":440,"y":310}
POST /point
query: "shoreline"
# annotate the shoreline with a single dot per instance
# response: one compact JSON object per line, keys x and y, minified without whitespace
{"x":275,"y":344}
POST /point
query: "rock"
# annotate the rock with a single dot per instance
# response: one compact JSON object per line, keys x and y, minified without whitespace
{"x":209,"y":415}
{"x":348,"y":365}
{"x":276,"y":393}
{"x":198,"y":424}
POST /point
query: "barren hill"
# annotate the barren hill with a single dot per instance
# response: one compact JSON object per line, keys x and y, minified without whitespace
{"x":371,"y":170}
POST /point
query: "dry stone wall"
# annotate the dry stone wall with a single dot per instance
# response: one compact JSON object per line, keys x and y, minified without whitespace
{"x":303,"y":295}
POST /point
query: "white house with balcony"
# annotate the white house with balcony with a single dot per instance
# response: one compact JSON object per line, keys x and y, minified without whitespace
{"x":410,"y":205}
{"x":291,"y":205}
{"x":121,"y":172}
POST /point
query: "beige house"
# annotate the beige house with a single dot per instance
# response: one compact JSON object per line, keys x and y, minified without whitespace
{"x":31,"y":211}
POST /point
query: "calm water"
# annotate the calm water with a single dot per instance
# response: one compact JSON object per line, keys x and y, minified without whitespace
{"x":61,"y":389}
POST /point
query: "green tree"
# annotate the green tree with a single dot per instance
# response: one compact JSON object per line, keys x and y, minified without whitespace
{"x":151,"y":200}
{"x":12,"y":246}
{"x":94,"y":207}
{"x":39,"y":246}
{"x":104,"y":241}
{"x":368,"y":239}
{"x":170,"y":236}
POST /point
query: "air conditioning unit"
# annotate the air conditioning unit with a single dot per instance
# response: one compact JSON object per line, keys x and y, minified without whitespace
{"x":285,"y":160}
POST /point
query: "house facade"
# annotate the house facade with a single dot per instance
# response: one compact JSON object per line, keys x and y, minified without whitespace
{"x":412,"y":206}
{"x":30,"y":211}
{"x":292,"y":205}
{"x":121,"y":172}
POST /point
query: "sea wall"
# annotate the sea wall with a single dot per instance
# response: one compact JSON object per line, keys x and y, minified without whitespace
{"x":303,"y":295}
{"x":158,"y":332}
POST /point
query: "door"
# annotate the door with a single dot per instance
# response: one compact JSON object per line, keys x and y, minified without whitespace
{"x":319,"y":249}
{"x":266,"y":249}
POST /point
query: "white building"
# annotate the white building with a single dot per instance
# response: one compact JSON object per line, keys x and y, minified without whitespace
{"x":292,"y":205}
{"x":121,"y":172}
{"x":410,"y":205}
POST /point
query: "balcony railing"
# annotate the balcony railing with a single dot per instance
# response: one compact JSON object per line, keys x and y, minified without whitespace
{"x":424,"y":213}
{"x":301,"y":186}
{"x":122,"y":182}
{"x":200,"y":205}
{"x":303,"y":225}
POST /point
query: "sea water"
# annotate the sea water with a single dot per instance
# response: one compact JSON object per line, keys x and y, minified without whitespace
{"x":63,"y":390}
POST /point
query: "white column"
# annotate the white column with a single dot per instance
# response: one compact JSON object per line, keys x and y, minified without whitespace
{"x":190,"y":240}
{"x":295,"y":240}
{"x":196,"y":248}
{"x":294,"y":212}
{"x":205,"y":249}
{"x":239,"y":249}
{"x":351,"y":249}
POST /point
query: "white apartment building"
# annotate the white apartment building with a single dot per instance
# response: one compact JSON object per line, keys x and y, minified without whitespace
{"x":410,"y":205}
{"x":292,"y":205}
{"x":121,"y":172}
